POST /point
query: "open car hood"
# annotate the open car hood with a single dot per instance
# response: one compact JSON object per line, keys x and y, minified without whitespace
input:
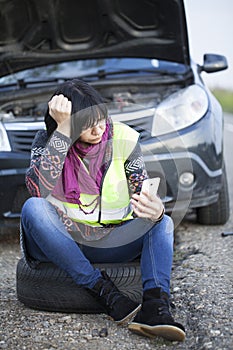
{"x":34,"y":33}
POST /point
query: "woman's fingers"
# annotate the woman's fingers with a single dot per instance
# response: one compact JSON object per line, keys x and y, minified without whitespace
{"x":146,"y":210}
{"x":58,"y":103}
{"x":142,"y":211}
{"x":60,"y":108}
{"x":146,"y":206}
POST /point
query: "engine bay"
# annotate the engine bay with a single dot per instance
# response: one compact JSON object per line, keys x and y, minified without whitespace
{"x":32,"y":105}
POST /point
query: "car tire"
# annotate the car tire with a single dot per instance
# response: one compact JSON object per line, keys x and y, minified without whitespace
{"x":217,"y":213}
{"x":49,"y":288}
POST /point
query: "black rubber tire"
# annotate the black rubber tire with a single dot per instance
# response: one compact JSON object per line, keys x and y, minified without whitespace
{"x":51,"y":289}
{"x":217,"y":213}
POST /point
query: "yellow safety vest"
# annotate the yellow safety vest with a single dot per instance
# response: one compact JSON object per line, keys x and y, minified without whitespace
{"x":114,"y":204}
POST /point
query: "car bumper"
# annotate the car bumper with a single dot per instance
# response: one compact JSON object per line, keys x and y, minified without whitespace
{"x":201,"y":192}
{"x":13,"y":192}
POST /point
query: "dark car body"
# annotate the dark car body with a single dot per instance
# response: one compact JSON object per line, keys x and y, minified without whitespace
{"x":136,"y":54}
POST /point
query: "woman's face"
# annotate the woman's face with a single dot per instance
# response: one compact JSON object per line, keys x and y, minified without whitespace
{"x":94,"y":134}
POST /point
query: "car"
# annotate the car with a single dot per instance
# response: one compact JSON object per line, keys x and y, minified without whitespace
{"x":136,"y":54}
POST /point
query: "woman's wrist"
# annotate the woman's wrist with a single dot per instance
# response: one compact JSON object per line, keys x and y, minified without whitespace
{"x":64,"y":128}
{"x":157,"y":220}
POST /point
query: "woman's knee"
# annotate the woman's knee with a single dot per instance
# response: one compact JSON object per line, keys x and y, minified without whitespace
{"x":168,"y":223}
{"x":165,"y":228}
{"x":31,"y":207}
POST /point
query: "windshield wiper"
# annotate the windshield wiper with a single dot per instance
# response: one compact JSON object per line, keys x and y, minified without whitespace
{"x":102,"y":73}
{"x":22,"y":83}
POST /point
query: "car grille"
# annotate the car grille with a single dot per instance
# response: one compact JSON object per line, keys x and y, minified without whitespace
{"x":143,"y":126}
{"x":21,"y":141}
{"x":21,"y":135}
{"x":139,"y":120}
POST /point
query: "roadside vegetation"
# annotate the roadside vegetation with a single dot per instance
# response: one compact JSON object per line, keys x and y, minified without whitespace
{"x":225,"y":97}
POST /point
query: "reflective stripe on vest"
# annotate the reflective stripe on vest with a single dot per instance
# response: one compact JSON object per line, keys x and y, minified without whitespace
{"x":115,"y":202}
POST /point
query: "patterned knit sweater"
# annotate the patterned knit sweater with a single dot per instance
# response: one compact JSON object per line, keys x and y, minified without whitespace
{"x":47,"y":160}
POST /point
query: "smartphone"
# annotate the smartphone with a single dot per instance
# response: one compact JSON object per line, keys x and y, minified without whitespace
{"x":151,"y":185}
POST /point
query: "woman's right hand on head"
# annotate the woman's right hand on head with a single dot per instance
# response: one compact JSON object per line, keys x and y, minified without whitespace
{"x":60,"y":110}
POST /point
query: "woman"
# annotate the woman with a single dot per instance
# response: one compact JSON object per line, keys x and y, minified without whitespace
{"x":85,"y":179}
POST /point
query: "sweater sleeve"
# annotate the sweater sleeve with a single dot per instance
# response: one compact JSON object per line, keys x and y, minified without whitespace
{"x":135,"y":170}
{"x":47,"y":160}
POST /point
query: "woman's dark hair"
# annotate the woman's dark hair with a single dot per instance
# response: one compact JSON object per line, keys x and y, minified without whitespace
{"x":88,"y":107}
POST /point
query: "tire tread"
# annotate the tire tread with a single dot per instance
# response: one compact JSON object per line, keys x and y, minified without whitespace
{"x":49,"y":288}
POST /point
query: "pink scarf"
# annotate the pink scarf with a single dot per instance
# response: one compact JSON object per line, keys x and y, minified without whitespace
{"x":75,"y":177}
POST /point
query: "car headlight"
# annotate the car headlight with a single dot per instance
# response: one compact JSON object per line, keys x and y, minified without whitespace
{"x":179,"y":110}
{"x":4,"y":141}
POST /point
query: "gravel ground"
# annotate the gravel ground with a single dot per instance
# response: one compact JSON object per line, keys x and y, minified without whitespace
{"x":202,"y":280}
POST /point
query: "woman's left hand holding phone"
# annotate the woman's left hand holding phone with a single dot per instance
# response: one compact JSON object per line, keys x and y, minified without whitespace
{"x":147,"y":206}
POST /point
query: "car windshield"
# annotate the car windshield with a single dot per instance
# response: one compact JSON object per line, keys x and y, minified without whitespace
{"x":93,"y":67}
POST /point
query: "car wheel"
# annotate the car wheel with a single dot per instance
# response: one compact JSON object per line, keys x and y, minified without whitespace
{"x":49,"y":288}
{"x":216,"y":213}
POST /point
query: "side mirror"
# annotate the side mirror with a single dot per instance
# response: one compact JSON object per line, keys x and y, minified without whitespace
{"x":214,"y":63}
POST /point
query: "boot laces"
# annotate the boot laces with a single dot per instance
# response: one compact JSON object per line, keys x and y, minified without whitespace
{"x":110,"y":293}
{"x":163,"y":309}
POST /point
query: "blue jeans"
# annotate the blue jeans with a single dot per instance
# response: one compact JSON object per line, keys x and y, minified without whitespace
{"x":47,"y":240}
